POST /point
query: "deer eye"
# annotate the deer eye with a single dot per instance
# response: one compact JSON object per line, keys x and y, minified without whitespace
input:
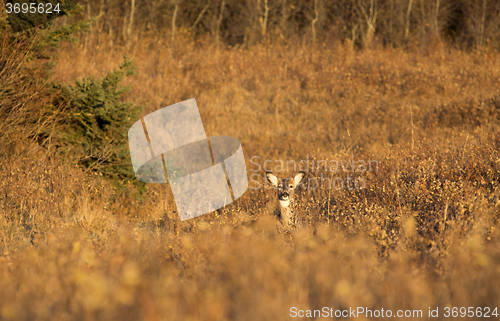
{"x":290,"y":186}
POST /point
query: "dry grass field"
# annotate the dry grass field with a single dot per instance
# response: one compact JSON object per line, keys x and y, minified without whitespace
{"x":423,"y":233}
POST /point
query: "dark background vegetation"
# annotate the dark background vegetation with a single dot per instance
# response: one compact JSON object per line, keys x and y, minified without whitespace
{"x":391,"y":23}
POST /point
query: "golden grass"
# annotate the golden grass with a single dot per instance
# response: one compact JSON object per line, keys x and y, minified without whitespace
{"x":424,"y":233}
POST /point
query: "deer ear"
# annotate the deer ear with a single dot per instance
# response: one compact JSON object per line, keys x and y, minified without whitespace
{"x":272,"y":179}
{"x":299,"y":177}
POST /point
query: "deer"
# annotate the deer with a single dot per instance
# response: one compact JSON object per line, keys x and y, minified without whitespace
{"x":288,"y":216}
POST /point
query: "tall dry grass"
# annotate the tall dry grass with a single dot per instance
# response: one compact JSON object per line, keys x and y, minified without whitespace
{"x":423,"y":233}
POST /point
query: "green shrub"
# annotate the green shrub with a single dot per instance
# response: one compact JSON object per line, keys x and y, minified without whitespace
{"x":87,"y":120}
{"x":95,"y":122}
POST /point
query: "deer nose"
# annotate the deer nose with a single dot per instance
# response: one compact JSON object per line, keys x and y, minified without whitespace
{"x":284,"y":195}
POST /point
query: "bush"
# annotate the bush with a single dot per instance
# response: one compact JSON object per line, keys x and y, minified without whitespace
{"x":95,"y":123}
{"x":88,"y":118}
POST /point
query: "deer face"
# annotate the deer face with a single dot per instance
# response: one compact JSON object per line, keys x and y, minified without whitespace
{"x":286,"y":187}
